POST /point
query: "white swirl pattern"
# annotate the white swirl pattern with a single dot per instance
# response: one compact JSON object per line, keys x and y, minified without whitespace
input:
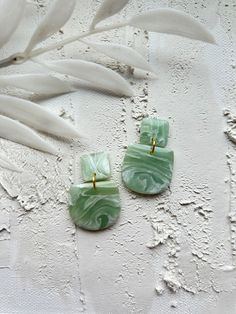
{"x":95,"y":163}
{"x":95,"y":209}
{"x":153,"y":128}
{"x":147,"y":173}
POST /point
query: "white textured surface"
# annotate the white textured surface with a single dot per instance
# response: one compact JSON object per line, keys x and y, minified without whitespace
{"x":47,"y":266}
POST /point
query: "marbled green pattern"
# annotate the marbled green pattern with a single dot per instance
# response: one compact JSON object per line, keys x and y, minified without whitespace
{"x":95,"y":163}
{"x":147,"y":173}
{"x":95,"y":209}
{"x":153,"y":128}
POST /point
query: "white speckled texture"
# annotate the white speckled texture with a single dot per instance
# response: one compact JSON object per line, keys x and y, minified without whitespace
{"x":173,"y":253}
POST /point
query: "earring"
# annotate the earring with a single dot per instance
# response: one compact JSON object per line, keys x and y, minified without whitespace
{"x":148,"y":166}
{"x":95,"y":204}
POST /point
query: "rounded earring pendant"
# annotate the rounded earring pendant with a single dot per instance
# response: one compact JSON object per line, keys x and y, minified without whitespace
{"x":147,"y":173}
{"x":95,"y":208}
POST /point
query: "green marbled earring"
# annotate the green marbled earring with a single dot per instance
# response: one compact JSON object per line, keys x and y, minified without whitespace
{"x":95,"y":205}
{"x":148,"y":166}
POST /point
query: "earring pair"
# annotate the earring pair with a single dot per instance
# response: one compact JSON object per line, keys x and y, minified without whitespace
{"x":147,"y":169}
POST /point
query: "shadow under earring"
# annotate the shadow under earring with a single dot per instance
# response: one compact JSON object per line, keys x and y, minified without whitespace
{"x":95,"y":204}
{"x":148,"y":166}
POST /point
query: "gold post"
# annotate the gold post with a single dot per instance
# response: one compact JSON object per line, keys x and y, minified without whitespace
{"x":94,"y":180}
{"x":153,"y":146}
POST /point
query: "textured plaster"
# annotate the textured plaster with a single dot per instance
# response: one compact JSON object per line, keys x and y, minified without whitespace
{"x":170,"y":253}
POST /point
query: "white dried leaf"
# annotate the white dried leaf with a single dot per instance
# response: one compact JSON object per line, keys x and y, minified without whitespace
{"x":57,"y":16}
{"x":36,"y":117}
{"x":11,"y":12}
{"x":36,"y":83}
{"x":94,"y":73}
{"x":7,"y":164}
{"x":19,"y":133}
{"x":122,"y":54}
{"x":107,"y":9}
{"x":174,"y":22}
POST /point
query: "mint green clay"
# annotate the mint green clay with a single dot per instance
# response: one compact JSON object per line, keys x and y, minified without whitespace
{"x":147,"y":173}
{"x":95,"y":209}
{"x":95,"y":163}
{"x":153,"y":128}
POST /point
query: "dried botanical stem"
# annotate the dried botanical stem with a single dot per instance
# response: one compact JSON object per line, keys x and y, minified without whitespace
{"x":162,"y":20}
{"x":72,"y":39}
{"x":20,"y":58}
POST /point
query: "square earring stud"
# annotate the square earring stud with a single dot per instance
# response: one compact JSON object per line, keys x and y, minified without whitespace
{"x":95,"y":163}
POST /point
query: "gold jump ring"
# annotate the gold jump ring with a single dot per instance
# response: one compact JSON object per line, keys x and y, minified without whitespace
{"x":94,"y":180}
{"x":153,"y":146}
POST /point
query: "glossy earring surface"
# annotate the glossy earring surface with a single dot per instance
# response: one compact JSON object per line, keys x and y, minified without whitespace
{"x":148,"y":167}
{"x":95,"y":205}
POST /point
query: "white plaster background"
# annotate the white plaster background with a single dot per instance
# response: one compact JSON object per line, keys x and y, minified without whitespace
{"x":49,"y":266}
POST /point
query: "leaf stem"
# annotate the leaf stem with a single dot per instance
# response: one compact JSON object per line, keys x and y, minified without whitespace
{"x":72,"y":39}
{"x":19,"y":58}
